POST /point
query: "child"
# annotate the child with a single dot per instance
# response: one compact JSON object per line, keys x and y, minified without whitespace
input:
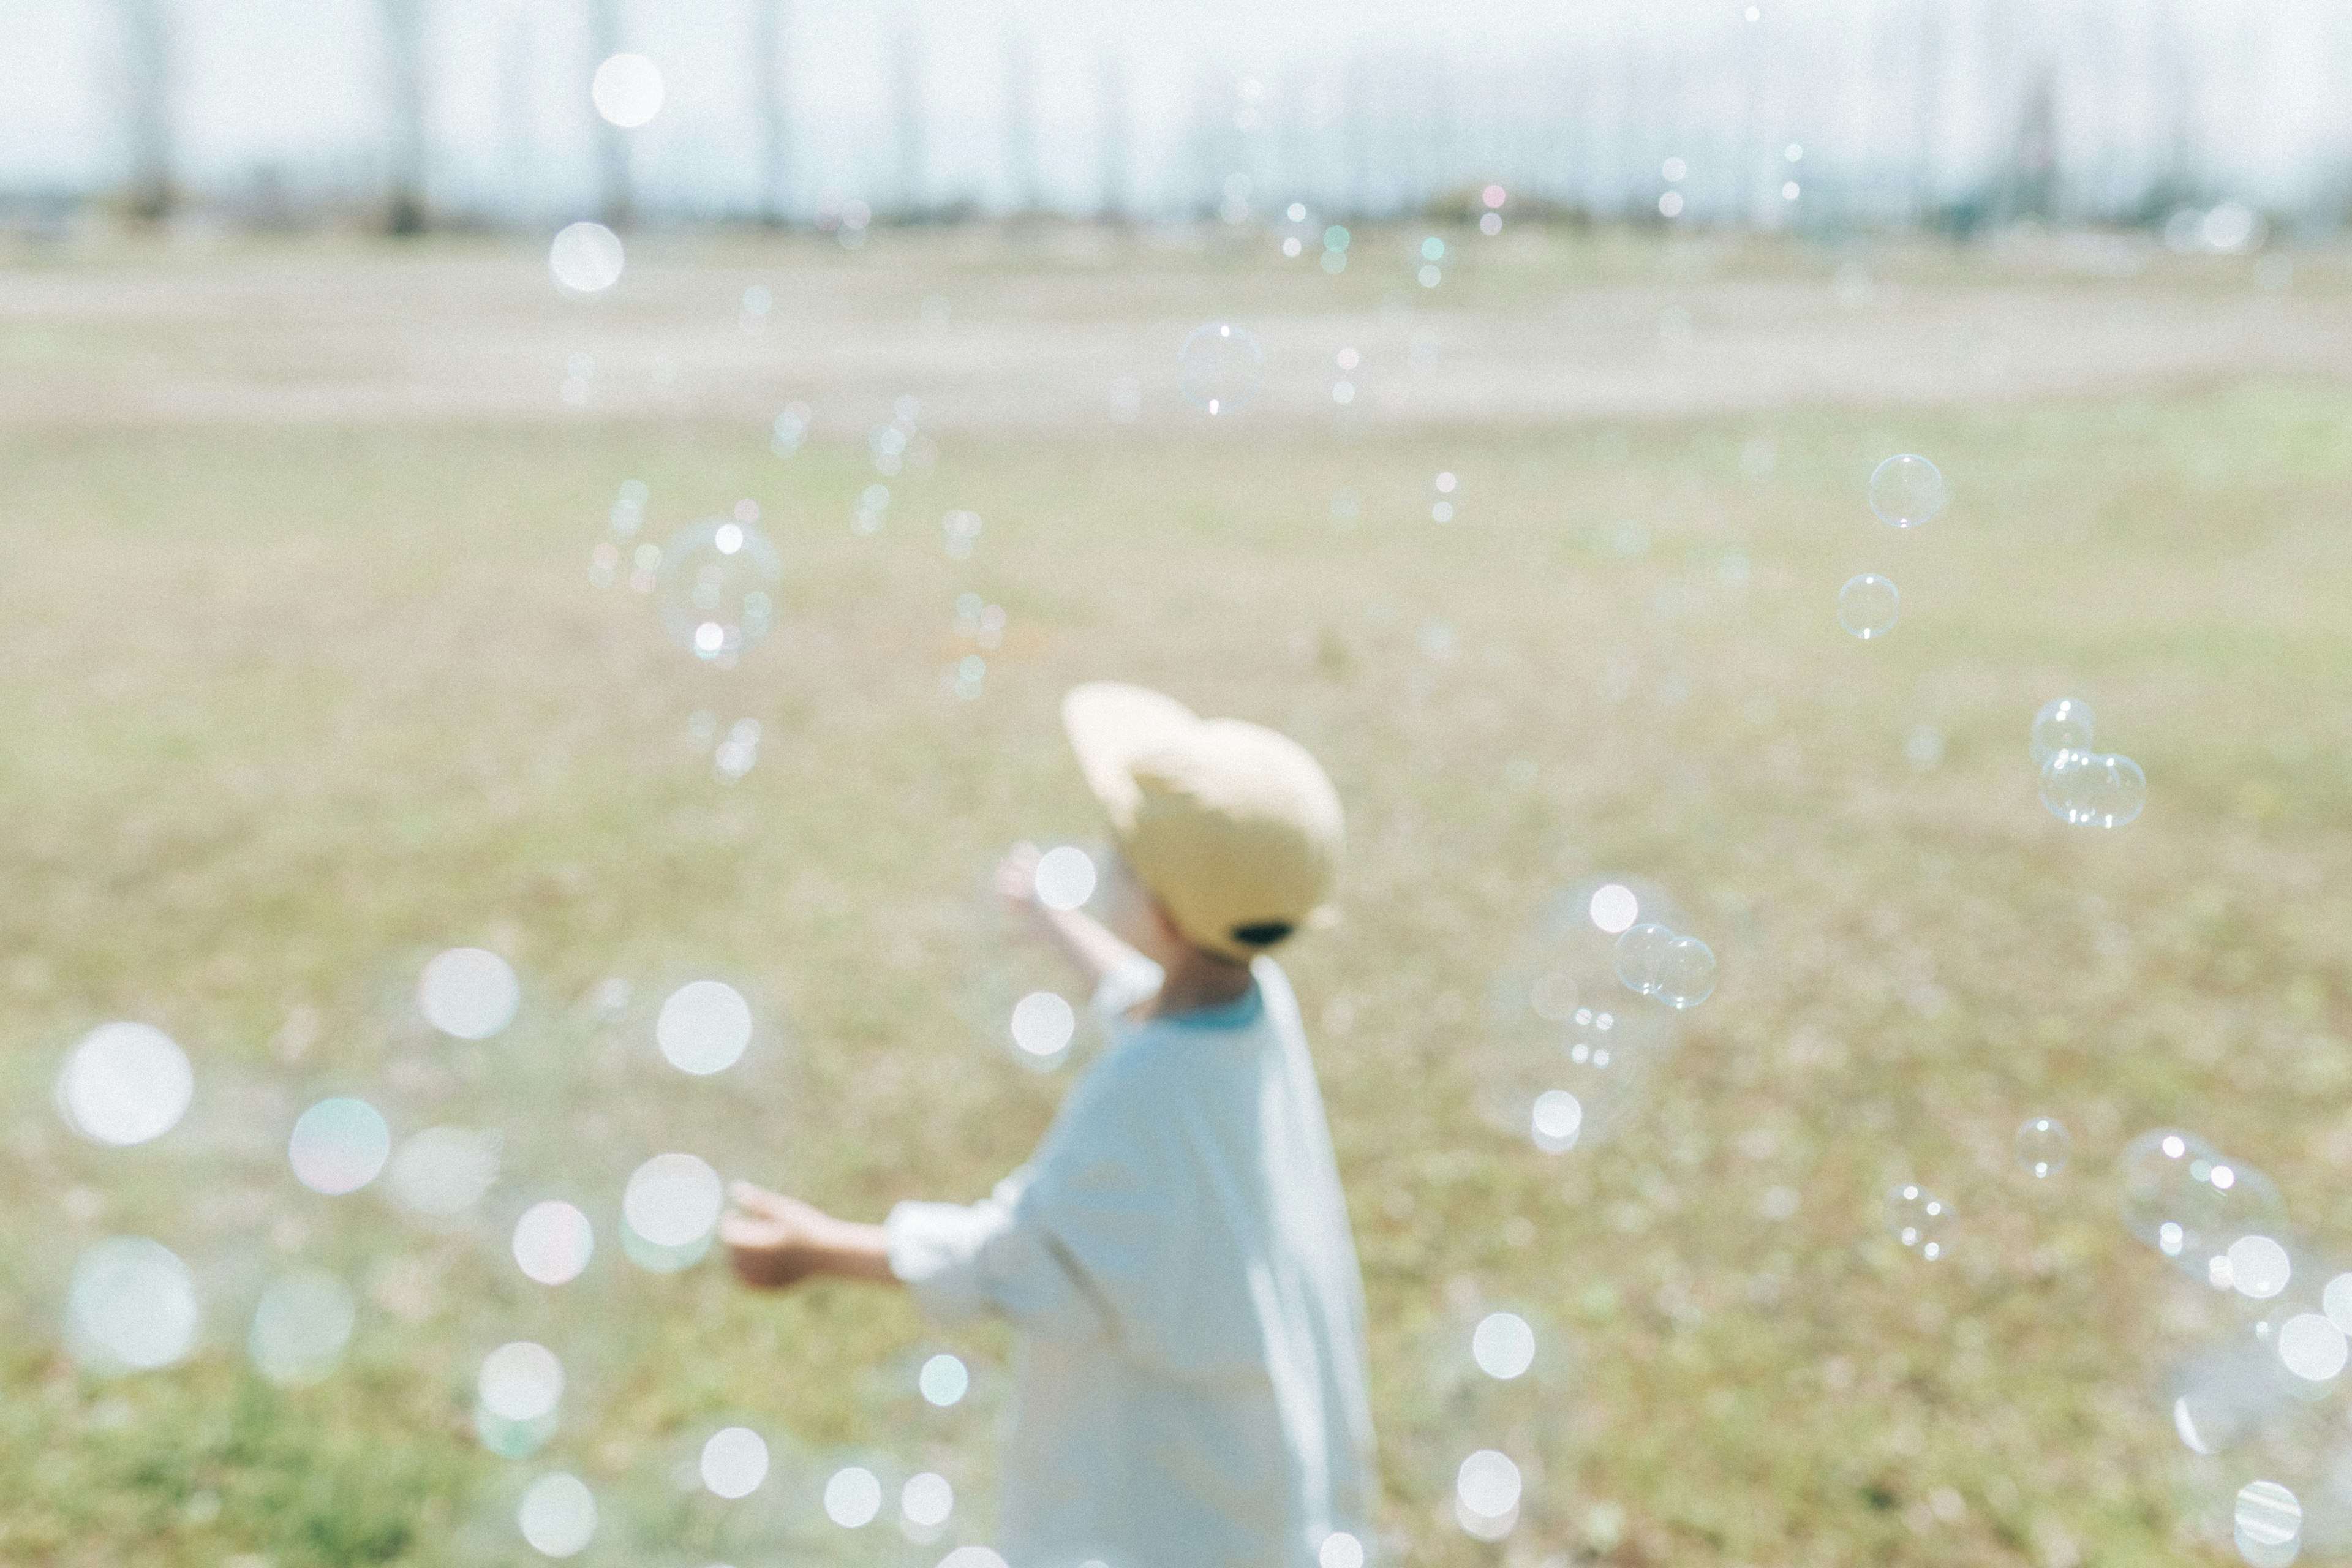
{"x":1175,"y":1256}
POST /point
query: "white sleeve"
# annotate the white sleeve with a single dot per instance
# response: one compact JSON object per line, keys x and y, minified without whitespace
{"x":1123,"y":986}
{"x":963,"y":1261}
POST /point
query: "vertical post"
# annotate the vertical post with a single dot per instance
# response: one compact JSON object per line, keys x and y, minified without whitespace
{"x":404,"y":58}
{"x":611,"y":142}
{"x":1110,"y":96}
{"x":906,"y":97}
{"x":1021,"y":124}
{"x":769,"y":61}
{"x":146,"y":87}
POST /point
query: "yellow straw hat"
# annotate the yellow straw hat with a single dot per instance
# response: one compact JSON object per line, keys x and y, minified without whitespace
{"x":1234,"y":828}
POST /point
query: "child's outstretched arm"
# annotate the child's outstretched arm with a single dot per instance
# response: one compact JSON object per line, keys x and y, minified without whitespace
{"x":774,"y":1241}
{"x":1090,"y":947}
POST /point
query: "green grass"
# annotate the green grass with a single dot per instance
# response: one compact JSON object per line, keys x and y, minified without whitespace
{"x":288,"y":709}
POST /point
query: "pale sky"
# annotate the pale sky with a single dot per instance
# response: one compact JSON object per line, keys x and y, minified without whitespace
{"x":297,"y":85}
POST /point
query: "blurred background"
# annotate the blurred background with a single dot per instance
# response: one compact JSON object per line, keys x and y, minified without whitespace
{"x":539,"y":550}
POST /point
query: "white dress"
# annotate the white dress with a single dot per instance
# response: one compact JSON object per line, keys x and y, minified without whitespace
{"x":1176,"y":1260}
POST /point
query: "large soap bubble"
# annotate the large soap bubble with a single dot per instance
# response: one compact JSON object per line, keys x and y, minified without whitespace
{"x":704,"y":1026}
{"x":468,"y":991}
{"x":2192,"y":1203}
{"x":585,"y":258}
{"x":557,"y":1516}
{"x":339,"y":1146}
{"x":2063,"y":724}
{"x":627,"y":90}
{"x":2091,"y":789}
{"x":1869,"y":605}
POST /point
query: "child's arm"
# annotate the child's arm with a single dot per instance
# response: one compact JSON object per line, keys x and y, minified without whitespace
{"x":774,"y":1241}
{"x":1091,"y":950}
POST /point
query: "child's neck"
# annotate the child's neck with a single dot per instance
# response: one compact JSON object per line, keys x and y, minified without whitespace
{"x":1195,"y":979}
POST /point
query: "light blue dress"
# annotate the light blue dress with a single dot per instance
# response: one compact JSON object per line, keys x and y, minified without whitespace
{"x":1176,"y":1260}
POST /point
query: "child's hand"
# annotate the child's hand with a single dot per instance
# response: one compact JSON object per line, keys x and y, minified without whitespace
{"x":772,"y":1240}
{"x":1016,"y":878}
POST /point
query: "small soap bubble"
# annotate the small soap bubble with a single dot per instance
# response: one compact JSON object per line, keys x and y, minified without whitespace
{"x":1219,"y":368}
{"x":927,"y":1500}
{"x":2268,"y":1521}
{"x":468,"y":991}
{"x":716,"y":587}
{"x":2090,"y":789}
{"x":734,"y":1462}
{"x":2065,"y":724}
{"x":1502,"y":1345}
{"x":339,"y":1146}
{"x":704,"y":1027}
{"x":1559,"y":1118}
{"x":1906,"y":490}
{"x":131,"y":1307}
{"x":1065,"y":879}
{"x":2259,"y":1267}
{"x":1919,"y":1220}
{"x":124,"y":1084}
{"x":1686,"y":973}
{"x":673,"y":1201}
{"x":1613,"y":907}
{"x":943,"y":1381}
{"x":521,"y":1380}
{"x":1340,"y":1550}
{"x":1641,"y":951}
{"x":1044,"y":1023}
{"x":554,"y":1242}
{"x":627,"y":90}
{"x":442,"y":1172}
{"x":2191,"y":1203}
{"x":557,"y":1516}
{"x":853,"y":1497}
{"x":1869,"y":605}
{"x":2311,"y":1347}
{"x":587,"y":259}
{"x":2043,"y":1145}
{"x":1487,"y":1491}
{"x":300,"y":1327}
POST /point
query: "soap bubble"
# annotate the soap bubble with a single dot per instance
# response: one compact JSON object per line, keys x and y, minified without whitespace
{"x":2191,"y":1202}
{"x":944,"y":1380}
{"x":2259,"y":1267}
{"x":2311,"y":1347}
{"x":1486,"y":1494}
{"x":552,"y":1242}
{"x":2269,"y":1524}
{"x":468,"y":991}
{"x":1340,"y":1550}
{"x":125,"y":1084}
{"x":2043,"y":1145}
{"x":339,"y":1146}
{"x":1640,"y":951}
{"x":627,"y":90}
{"x":2337,"y":1301}
{"x":1906,"y":490}
{"x":442,"y":1172}
{"x":557,"y":1516}
{"x":1502,"y":1345}
{"x":1613,"y":907}
{"x":132,"y":1306}
{"x":2065,"y":724}
{"x":1868,"y":605}
{"x":1044,"y":1023}
{"x":704,"y":1026}
{"x":734,"y":1462}
{"x":853,"y":1497}
{"x":1919,"y":1220}
{"x":1065,"y":878}
{"x":300,"y":1327}
{"x":1559,"y":1117}
{"x":1686,"y":973}
{"x":585,"y":258}
{"x":1219,"y":368}
{"x":716,"y":582}
{"x":2089,"y":789}
{"x":521,"y":1380}
{"x":927,"y":1500}
{"x":673,"y":1201}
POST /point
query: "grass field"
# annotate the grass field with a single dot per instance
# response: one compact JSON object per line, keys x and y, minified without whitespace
{"x":299,"y":686}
